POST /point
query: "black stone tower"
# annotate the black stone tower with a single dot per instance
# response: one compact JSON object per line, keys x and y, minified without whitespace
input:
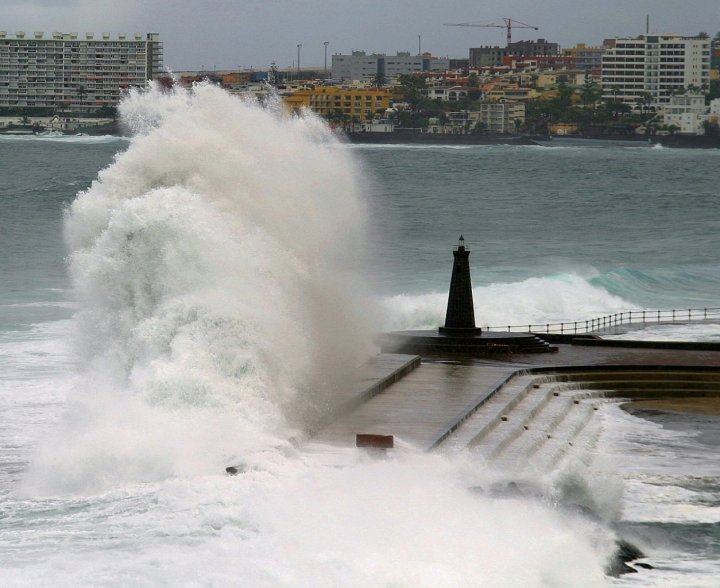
{"x":460,"y":316}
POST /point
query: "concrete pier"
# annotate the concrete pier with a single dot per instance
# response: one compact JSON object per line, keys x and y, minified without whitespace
{"x":524,"y":412}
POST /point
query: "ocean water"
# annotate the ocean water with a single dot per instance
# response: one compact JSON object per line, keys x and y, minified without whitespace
{"x":190,"y":298}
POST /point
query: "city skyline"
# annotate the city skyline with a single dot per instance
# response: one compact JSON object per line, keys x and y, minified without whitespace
{"x":255,"y":33}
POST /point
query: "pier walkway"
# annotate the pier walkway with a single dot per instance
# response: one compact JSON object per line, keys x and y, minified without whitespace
{"x":522,"y":411}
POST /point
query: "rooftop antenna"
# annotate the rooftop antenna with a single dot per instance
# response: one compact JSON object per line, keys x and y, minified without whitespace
{"x":647,"y":24}
{"x":419,"y":44}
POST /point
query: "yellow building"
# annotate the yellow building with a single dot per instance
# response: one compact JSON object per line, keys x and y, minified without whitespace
{"x":496,"y":93}
{"x":359,"y":104}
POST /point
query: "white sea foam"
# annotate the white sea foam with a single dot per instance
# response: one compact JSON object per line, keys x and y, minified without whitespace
{"x":216,"y":265}
{"x":537,"y":301}
{"x":707,"y":332}
{"x":409,"y":521}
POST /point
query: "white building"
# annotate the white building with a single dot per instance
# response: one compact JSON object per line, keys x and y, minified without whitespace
{"x":687,"y":113}
{"x":360,"y":66}
{"x":356,"y":66}
{"x":70,"y":71}
{"x":452,"y":94}
{"x":658,"y":65}
{"x":715,"y":108}
{"x":500,"y":117}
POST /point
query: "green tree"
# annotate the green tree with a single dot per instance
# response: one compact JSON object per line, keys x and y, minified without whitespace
{"x":413,"y":89}
{"x":643,"y":102}
{"x":474,"y":95}
{"x":590,"y":92}
{"x":711,"y":129}
{"x":714,"y":91}
{"x":564,"y":95}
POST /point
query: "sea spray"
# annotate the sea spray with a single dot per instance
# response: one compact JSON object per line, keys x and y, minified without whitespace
{"x":411,"y":520}
{"x":217,"y":264}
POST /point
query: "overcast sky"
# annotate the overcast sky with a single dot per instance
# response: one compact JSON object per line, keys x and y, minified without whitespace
{"x":227,"y":34}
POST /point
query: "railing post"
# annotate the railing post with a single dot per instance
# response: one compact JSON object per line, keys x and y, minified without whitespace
{"x":658,"y":316}
{"x":562,"y":328}
{"x":689,"y":313}
{"x":673,"y":315}
{"x":547,"y":327}
{"x":643,"y":316}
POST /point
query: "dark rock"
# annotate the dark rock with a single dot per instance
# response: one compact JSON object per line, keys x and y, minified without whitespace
{"x":626,"y":552}
{"x":618,"y":568}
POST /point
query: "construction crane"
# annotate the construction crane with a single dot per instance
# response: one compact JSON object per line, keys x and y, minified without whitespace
{"x":509,"y":23}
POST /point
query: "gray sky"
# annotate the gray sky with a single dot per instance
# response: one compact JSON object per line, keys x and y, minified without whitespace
{"x":226,"y":34}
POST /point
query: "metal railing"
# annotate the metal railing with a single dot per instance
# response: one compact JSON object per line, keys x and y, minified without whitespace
{"x":610,"y":321}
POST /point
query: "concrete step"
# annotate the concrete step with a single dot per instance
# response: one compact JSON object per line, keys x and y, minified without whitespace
{"x":567,"y":437}
{"x":516,"y":422}
{"x":489,"y":415}
{"x":541,"y":429}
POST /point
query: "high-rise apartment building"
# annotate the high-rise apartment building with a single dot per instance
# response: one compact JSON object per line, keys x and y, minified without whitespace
{"x":73,"y":72}
{"x":654,"y":67}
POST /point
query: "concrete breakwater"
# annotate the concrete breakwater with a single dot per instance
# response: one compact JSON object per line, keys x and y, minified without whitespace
{"x":522,"y":413}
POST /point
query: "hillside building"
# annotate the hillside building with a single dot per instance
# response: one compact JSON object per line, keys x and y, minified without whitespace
{"x":342,"y":102}
{"x":359,"y":66}
{"x":73,"y":72}
{"x":686,"y":113}
{"x":654,"y":68}
{"x":488,"y":56}
{"x":539,"y":62}
{"x":533,"y":48}
{"x":588,"y":58}
{"x":505,"y":116}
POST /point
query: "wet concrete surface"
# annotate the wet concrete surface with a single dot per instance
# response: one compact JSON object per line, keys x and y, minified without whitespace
{"x":579,"y":355}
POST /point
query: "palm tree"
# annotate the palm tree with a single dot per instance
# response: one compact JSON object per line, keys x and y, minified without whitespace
{"x":379,"y":80}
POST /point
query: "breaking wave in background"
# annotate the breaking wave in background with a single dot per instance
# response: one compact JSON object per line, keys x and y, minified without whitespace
{"x":568,"y":297}
{"x":565,"y":297}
